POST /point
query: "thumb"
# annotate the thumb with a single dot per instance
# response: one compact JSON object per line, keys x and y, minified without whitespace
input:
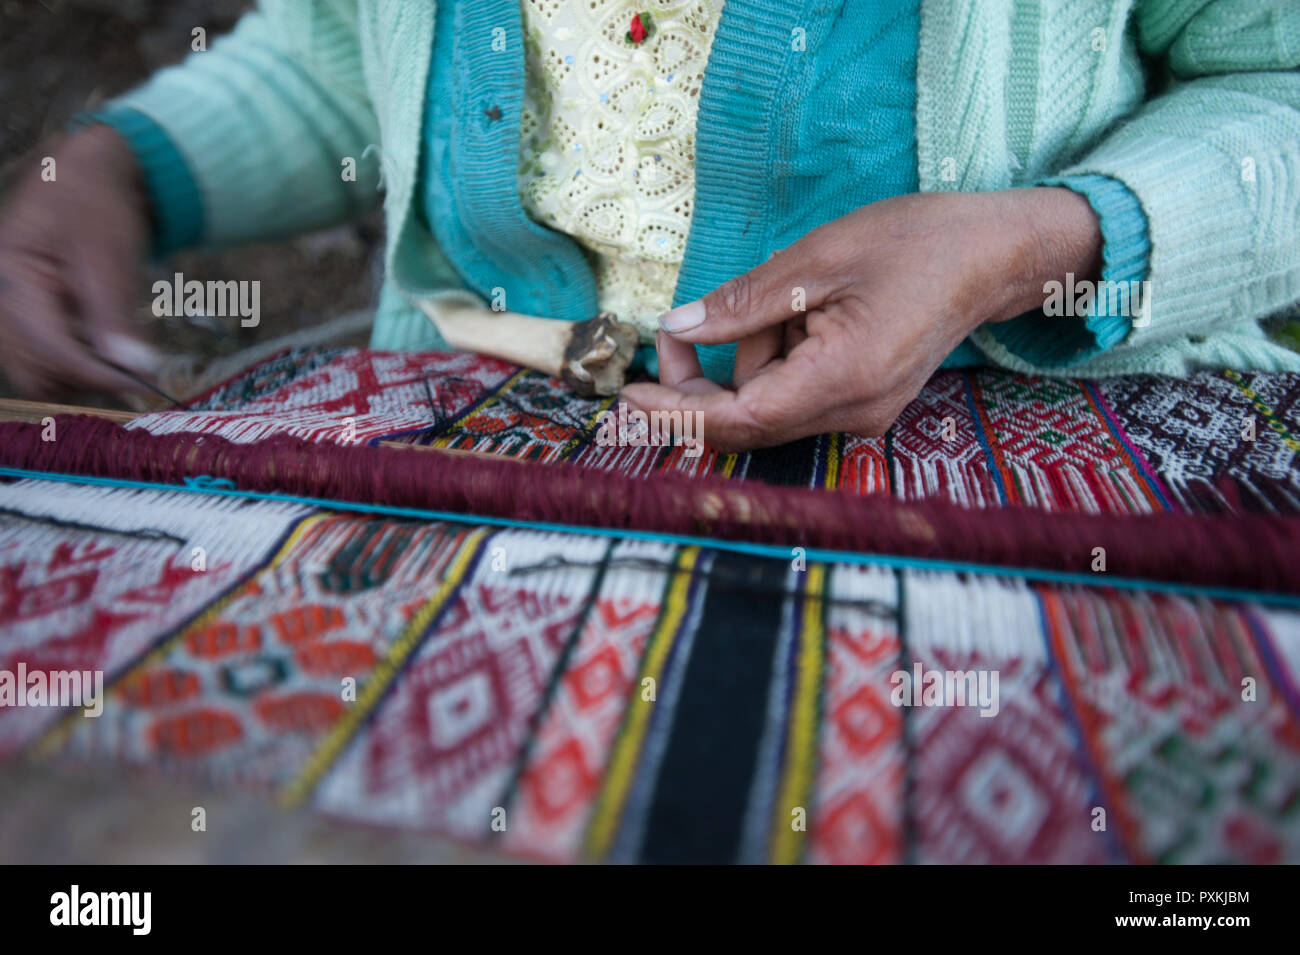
{"x":775,"y":291}
{"x":104,"y":284}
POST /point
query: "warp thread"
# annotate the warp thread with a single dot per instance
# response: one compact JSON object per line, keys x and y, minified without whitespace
{"x":1250,"y":551}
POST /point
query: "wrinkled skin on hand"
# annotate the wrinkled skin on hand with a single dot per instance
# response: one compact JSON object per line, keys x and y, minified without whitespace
{"x":890,"y":290}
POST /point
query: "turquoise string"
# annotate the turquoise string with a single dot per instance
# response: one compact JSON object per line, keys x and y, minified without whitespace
{"x":205,"y":484}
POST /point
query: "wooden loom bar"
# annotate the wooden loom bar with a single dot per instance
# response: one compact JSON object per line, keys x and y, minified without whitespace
{"x":34,"y":412}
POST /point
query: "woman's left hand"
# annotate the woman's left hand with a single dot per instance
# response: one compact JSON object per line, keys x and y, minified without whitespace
{"x":889,"y":291}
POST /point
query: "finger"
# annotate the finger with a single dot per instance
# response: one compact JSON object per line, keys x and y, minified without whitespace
{"x":683,"y":367}
{"x":41,"y":342}
{"x":774,"y":408}
{"x":755,"y":353}
{"x":765,"y":296}
{"x":103,"y":289}
{"x":71,"y":363}
{"x":29,"y":384}
{"x":796,"y":333}
{"x":678,"y":361}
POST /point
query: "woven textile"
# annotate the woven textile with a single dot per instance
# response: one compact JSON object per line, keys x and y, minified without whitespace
{"x":639,"y":701}
{"x":1214,"y":443}
{"x":570,"y":696}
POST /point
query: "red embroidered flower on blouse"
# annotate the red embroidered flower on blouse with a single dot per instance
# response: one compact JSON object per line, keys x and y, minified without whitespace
{"x":642,"y":27}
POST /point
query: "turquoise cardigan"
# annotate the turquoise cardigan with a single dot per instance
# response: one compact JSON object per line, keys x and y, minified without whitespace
{"x":1196,"y":188}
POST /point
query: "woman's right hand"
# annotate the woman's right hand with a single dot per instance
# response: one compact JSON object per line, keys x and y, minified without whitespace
{"x":71,"y":254}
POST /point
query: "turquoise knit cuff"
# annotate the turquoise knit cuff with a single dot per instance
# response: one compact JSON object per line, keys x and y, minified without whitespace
{"x":1057,"y":341}
{"x":717,"y":362}
{"x":175,"y":204}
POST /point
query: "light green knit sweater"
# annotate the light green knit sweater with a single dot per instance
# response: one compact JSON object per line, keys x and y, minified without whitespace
{"x":1009,"y":92}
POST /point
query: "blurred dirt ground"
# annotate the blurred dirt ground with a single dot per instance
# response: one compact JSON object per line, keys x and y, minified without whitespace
{"x":61,"y":57}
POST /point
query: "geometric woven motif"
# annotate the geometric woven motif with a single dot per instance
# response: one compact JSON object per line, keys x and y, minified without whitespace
{"x":1225,"y":442}
{"x":89,"y":577}
{"x":491,"y":686}
{"x":569,"y":696}
{"x":1213,"y":442}
{"x":244,"y":693}
{"x":1189,"y":718}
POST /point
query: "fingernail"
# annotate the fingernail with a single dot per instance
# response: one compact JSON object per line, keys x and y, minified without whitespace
{"x":683,"y":319}
{"x":132,"y":353}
